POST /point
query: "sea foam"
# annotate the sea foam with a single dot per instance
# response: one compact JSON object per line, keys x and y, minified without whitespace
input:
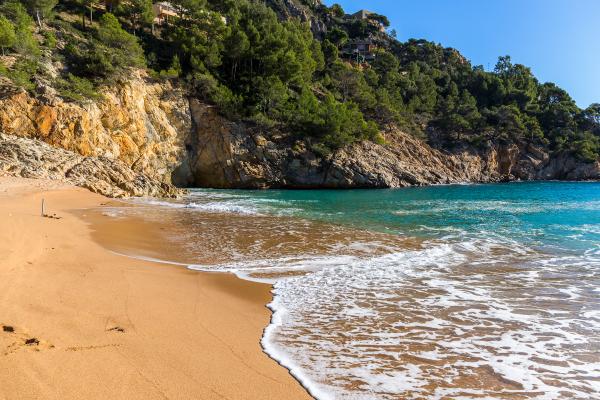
{"x":500,"y":300}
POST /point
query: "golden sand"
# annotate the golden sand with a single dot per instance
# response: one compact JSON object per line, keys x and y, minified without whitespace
{"x":79,"y":322}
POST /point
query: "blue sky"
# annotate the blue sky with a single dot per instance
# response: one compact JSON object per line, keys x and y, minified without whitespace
{"x":558,"y":39}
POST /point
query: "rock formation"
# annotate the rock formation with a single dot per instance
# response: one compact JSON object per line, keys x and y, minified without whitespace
{"x":144,"y":136}
{"x":292,"y":9}
{"x":140,"y":122}
{"x":230,"y":155}
{"x":30,"y":158}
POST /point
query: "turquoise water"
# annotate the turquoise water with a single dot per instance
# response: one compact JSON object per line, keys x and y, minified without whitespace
{"x":565,"y":215}
{"x":447,"y":292}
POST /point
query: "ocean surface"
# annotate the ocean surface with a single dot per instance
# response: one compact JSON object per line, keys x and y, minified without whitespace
{"x":446,"y":292}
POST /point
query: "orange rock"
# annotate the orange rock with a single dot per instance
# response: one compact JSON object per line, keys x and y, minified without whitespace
{"x":129,"y":151}
{"x":45,"y":120}
{"x":84,"y":148}
{"x":135,"y":120}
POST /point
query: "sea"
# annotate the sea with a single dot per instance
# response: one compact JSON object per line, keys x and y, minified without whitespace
{"x":487,"y":291}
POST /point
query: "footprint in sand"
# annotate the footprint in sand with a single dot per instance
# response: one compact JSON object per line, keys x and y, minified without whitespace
{"x":114,"y":326}
{"x":20,"y":340}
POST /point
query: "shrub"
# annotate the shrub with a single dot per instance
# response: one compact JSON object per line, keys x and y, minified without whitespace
{"x":8,"y":36}
{"x":49,"y":39}
{"x":107,"y":55}
{"x":77,"y":89}
{"x":22,"y":73}
{"x":25,"y":43}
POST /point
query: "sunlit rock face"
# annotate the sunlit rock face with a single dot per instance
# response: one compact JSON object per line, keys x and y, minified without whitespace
{"x":142,"y":123}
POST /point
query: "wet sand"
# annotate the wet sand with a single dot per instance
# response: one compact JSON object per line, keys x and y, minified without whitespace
{"x":80,"y":322}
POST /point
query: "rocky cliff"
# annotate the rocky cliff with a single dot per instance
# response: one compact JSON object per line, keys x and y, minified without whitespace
{"x":229,"y":155}
{"x":144,"y":136}
{"x":140,"y":122}
{"x":30,"y":158}
{"x":295,"y":9}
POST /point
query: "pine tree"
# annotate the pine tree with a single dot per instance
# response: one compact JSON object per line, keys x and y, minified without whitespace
{"x":7,"y":34}
{"x":40,"y":9}
{"x":140,"y":13}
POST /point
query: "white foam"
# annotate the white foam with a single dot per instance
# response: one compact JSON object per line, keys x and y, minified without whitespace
{"x":210,"y":207}
{"x":149,"y":259}
{"x":341,"y":293}
{"x":277,"y":354}
{"x":397,"y":324}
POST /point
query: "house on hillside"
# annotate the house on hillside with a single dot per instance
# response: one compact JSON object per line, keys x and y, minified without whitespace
{"x":362,"y":14}
{"x":360,"y":50}
{"x":366,"y":15}
{"x":163,"y":12}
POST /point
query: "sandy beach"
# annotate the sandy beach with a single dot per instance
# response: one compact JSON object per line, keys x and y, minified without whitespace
{"x":80,"y":322}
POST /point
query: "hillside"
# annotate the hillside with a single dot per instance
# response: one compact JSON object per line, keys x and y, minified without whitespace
{"x":335,"y":99}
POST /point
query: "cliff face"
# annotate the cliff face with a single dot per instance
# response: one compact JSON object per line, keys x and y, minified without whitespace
{"x":141,"y":123}
{"x":294,"y":9}
{"x":31,"y":158}
{"x":144,"y":136}
{"x":229,"y":155}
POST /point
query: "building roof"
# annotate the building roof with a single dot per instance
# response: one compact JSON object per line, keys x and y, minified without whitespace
{"x":165,"y":5}
{"x":362,"y":14}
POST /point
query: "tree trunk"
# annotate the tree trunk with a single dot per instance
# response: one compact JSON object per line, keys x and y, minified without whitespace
{"x":91,"y":14}
{"x":37,"y":17}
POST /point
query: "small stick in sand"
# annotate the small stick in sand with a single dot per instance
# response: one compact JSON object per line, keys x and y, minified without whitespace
{"x":51,"y":216}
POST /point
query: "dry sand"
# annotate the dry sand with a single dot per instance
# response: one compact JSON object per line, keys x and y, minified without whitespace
{"x":78,"y":322}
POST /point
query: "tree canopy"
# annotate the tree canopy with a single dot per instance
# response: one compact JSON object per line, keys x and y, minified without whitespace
{"x":262,"y":66}
{"x":8,"y":36}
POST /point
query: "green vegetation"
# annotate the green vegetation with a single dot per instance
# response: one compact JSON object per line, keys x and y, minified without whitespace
{"x":8,"y":38}
{"x":40,"y":9}
{"x":241,"y":56}
{"x":77,"y":89}
{"x":106,"y":53}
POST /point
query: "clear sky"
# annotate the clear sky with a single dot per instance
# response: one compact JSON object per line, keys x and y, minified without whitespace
{"x":558,"y":39}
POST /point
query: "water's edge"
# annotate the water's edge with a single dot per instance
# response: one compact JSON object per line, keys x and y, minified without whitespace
{"x":496,"y":268}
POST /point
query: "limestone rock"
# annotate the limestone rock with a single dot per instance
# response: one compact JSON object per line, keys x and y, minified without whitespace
{"x":142,"y":123}
{"x":144,"y":136}
{"x":230,"y":155}
{"x":294,"y":9}
{"x":31,"y":158}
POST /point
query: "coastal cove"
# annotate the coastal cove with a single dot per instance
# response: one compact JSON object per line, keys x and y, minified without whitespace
{"x":299,"y":199}
{"x":457,"y":291}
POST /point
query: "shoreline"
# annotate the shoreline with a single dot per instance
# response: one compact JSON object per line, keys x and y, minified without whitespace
{"x":88,"y":323}
{"x":103,"y":225}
